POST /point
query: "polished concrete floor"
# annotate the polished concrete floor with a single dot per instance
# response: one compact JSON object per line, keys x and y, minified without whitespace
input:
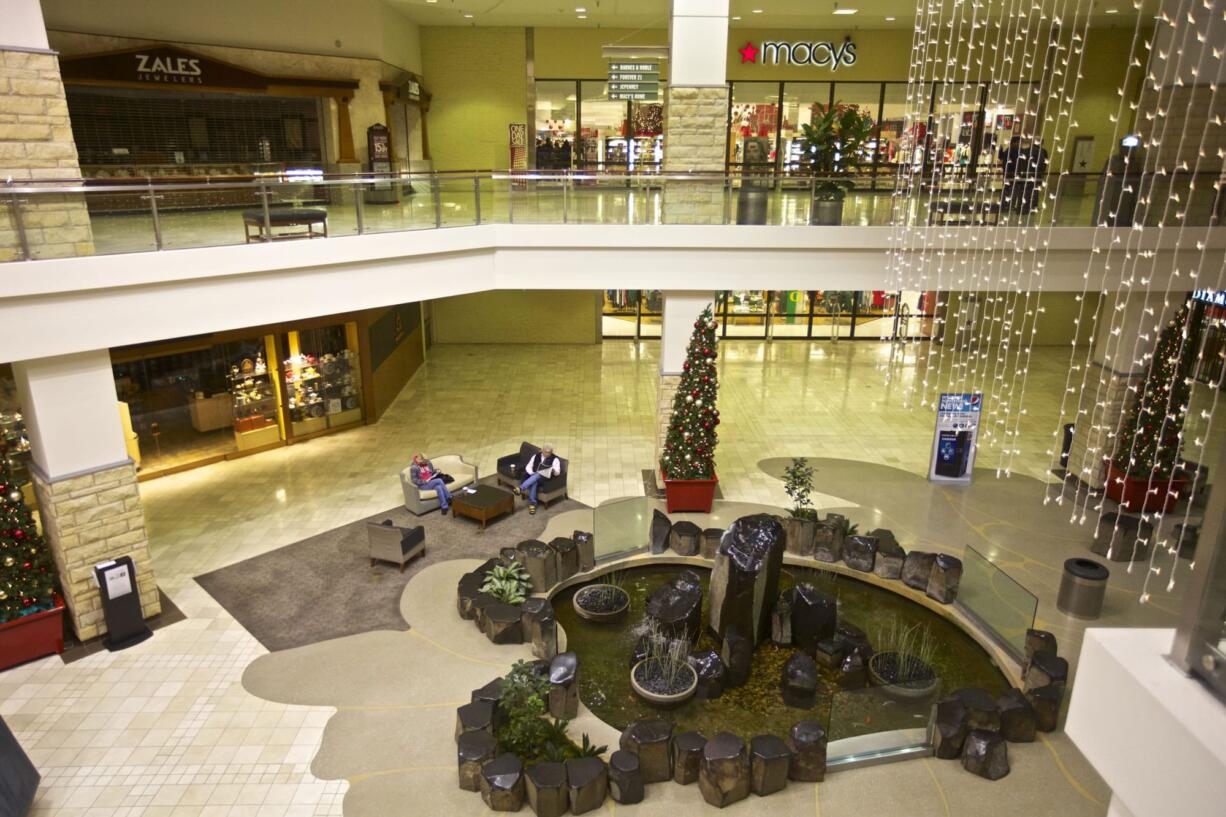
{"x":167,"y":728}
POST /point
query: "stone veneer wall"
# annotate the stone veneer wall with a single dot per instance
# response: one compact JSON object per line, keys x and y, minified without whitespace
{"x":695,"y":136}
{"x":665,"y":393}
{"x":36,"y":143}
{"x":88,"y":519}
{"x":1115,"y":395}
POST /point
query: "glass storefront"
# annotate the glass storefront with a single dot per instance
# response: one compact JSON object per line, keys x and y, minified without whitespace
{"x":322,"y":378}
{"x":578,"y":127}
{"x":556,"y":123}
{"x":753,"y":124}
{"x":632,"y":313}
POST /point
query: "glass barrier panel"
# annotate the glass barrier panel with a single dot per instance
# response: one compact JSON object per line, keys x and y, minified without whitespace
{"x":219,"y":215}
{"x":454,"y":205}
{"x":621,"y":526}
{"x":117,"y":222}
{"x":388,"y":206}
{"x":989,"y":594}
{"x":880,"y":719}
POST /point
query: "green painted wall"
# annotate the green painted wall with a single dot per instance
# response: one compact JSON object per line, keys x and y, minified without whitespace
{"x":518,"y":316}
{"x":1055,"y":325}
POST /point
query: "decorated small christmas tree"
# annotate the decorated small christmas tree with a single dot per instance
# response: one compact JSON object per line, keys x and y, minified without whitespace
{"x":689,"y":448}
{"x":1147,"y":444}
{"x":27,"y":573}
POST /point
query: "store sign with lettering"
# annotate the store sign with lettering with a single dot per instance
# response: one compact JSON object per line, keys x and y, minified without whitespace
{"x":1215,"y":297}
{"x":818,"y":54}
{"x":159,"y":65}
{"x":634,"y":81}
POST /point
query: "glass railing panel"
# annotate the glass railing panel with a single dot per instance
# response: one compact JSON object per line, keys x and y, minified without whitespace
{"x":996,"y":600}
{"x":622,"y":526}
{"x":118,"y":220}
{"x":392,"y":205}
{"x":879,"y":721}
{"x":212,"y":215}
{"x":455,"y":204}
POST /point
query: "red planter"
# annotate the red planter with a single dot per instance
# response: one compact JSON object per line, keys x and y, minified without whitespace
{"x":1133,"y":492}
{"x":32,"y":636}
{"x":690,"y":494}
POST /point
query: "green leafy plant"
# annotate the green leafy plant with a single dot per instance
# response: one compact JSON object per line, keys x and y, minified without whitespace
{"x":508,"y":583}
{"x":914,"y":646}
{"x":798,"y":484}
{"x":524,"y":729}
{"x":847,"y":528}
{"x":588,"y":749}
{"x":833,"y":146}
{"x":666,"y":661}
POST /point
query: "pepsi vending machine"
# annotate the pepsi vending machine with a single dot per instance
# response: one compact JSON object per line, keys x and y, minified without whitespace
{"x":953,"y":447}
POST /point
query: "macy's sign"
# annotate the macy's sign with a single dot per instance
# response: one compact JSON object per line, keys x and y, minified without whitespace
{"x":802,"y":53}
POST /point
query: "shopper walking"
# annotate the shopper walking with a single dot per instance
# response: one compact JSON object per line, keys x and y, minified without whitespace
{"x":542,"y":466}
{"x":426,"y":478}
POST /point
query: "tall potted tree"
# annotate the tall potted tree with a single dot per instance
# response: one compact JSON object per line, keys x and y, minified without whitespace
{"x":688,"y":459}
{"x":1141,"y":474}
{"x":31,"y":611}
{"x":832,"y":147}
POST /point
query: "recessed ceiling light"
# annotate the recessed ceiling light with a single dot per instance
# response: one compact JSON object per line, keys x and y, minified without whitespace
{"x":582,"y":16}
{"x":846,"y":11}
{"x":736,"y":18}
{"x":431,"y":1}
{"x":580,"y":10}
{"x":890,"y":19}
{"x":757,"y":11}
{"x":1112,"y":11}
{"x":468,"y":16}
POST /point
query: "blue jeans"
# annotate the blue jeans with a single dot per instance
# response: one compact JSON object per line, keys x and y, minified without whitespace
{"x":444,"y":496}
{"x":530,"y":485}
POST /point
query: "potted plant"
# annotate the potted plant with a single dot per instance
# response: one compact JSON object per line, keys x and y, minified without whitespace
{"x":688,"y":459}
{"x":508,"y":583}
{"x":1142,"y":474}
{"x":521,"y":725}
{"x":902,"y":665}
{"x":664,"y":676}
{"x":602,"y":602}
{"x":832,"y":147}
{"x":31,"y":610}
{"x":802,"y":525}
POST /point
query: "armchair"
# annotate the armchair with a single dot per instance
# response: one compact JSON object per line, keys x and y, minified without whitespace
{"x":548,"y":490}
{"x":389,"y":543}
{"x":419,"y":502}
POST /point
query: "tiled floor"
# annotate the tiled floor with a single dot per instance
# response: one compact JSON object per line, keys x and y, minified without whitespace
{"x":166,"y":728}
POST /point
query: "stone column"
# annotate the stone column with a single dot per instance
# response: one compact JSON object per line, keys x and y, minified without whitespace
{"x":36,"y":143}
{"x":85,"y":482}
{"x":681,"y":309}
{"x":696,"y":110}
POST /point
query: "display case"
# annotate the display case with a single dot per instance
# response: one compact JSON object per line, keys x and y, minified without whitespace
{"x":323,"y":381}
{"x":254,"y":404}
{"x":304,"y":394}
{"x":341,"y":388}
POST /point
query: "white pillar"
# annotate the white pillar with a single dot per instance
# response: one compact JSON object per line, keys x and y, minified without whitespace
{"x":698,"y":44}
{"x":681,"y":309}
{"x":84,"y":479}
{"x":23,"y":26}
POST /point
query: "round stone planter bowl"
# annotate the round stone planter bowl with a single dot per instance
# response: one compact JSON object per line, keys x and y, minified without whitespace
{"x":883,"y":669}
{"x":664,"y":699}
{"x":612,"y":613}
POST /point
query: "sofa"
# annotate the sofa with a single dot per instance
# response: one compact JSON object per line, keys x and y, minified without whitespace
{"x":549,"y":490}
{"x":391,"y":543}
{"x":418,"y":502}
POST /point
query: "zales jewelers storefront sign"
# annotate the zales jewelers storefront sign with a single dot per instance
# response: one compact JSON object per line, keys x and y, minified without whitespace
{"x":820,"y":54}
{"x":159,"y":65}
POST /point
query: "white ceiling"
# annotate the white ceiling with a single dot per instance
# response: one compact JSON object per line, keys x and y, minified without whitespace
{"x":799,"y":14}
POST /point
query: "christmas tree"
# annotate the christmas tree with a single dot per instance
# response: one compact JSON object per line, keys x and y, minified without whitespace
{"x":1147,"y":444}
{"x":689,"y":448}
{"x":27,"y":574}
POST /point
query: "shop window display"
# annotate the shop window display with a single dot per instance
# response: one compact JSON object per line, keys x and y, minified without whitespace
{"x":323,"y":381}
{"x":800,"y":105}
{"x":556,"y":123}
{"x":254,"y":392}
{"x":754,"y":113}
{"x":745,"y":313}
{"x":603,"y":129}
{"x":897,"y":143}
{"x":957,"y":120}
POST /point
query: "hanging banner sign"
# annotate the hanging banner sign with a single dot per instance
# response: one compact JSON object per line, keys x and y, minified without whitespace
{"x":953,"y":445}
{"x":634,"y":81}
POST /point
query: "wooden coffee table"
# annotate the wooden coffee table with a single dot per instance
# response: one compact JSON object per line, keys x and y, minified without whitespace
{"x":487,"y":503}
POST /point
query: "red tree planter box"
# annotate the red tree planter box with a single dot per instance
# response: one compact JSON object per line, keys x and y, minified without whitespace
{"x":1133,"y":492}
{"x":690,"y":494}
{"x":32,"y":636}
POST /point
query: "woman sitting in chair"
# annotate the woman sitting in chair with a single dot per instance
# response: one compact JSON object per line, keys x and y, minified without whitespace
{"x":540,"y":466}
{"x":426,"y":478}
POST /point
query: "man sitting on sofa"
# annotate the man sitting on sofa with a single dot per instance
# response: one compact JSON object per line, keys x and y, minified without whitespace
{"x":540,"y":467}
{"x":423,"y":475}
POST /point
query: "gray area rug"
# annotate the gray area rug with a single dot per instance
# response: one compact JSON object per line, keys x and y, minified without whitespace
{"x":324,"y":587}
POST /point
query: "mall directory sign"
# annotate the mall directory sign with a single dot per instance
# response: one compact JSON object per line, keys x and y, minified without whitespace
{"x":634,"y":81}
{"x":953,"y":445}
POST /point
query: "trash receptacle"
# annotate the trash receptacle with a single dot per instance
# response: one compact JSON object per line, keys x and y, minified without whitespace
{"x":1082,"y":588}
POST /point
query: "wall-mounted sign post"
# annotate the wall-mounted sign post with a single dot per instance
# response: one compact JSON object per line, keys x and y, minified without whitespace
{"x":634,"y":81}
{"x":953,"y":445}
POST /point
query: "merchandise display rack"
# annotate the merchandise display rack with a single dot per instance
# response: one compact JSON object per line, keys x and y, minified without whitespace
{"x":304,"y":386}
{"x":255,"y":404}
{"x":341,"y":378}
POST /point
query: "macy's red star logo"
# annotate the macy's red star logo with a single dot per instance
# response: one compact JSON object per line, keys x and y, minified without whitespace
{"x":749,"y":53}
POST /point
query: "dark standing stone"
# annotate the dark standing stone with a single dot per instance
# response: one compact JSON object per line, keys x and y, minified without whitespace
{"x":1017,"y":723}
{"x":1045,"y":701}
{"x":677,"y":606}
{"x":986,"y":754}
{"x":745,"y":581}
{"x":481,"y":603}
{"x":625,"y":778}
{"x":710,"y":542}
{"x":981,"y":709}
{"x":799,"y":682}
{"x":508,"y":556}
{"x":1038,"y":641}
{"x":588,"y":779}
{"x":828,"y":539}
{"x":944,"y":579}
{"x":650,"y":741}
{"x":1046,"y":669}
{"x":467,"y":590}
{"x":852,"y":673}
{"x":781,"y":619}
{"x":541,"y":562}
{"x":687,"y":757}
{"x":723,"y":777}
{"x":769,"y":761}
{"x":474,"y":750}
{"x":801,"y":534}
{"x":737,"y":655}
{"x":502,"y":783}
{"x":503,"y":623}
{"x":950,"y":729}
{"x":890,"y":555}
{"x":831,"y":652}
{"x":491,"y":692}
{"x":564,"y":686}
{"x":568,"y":557}
{"x":661,"y":527}
{"x":807,"y":742}
{"x":685,"y":538}
{"x":712,"y":674}
{"x":586,"y":543}
{"x":814,"y":616}
{"x":916,"y":569}
{"x":860,"y":553}
{"x":540,"y":627}
{"x":477,"y":716}
{"x":548,"y":794}
{"x":855,"y":639}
